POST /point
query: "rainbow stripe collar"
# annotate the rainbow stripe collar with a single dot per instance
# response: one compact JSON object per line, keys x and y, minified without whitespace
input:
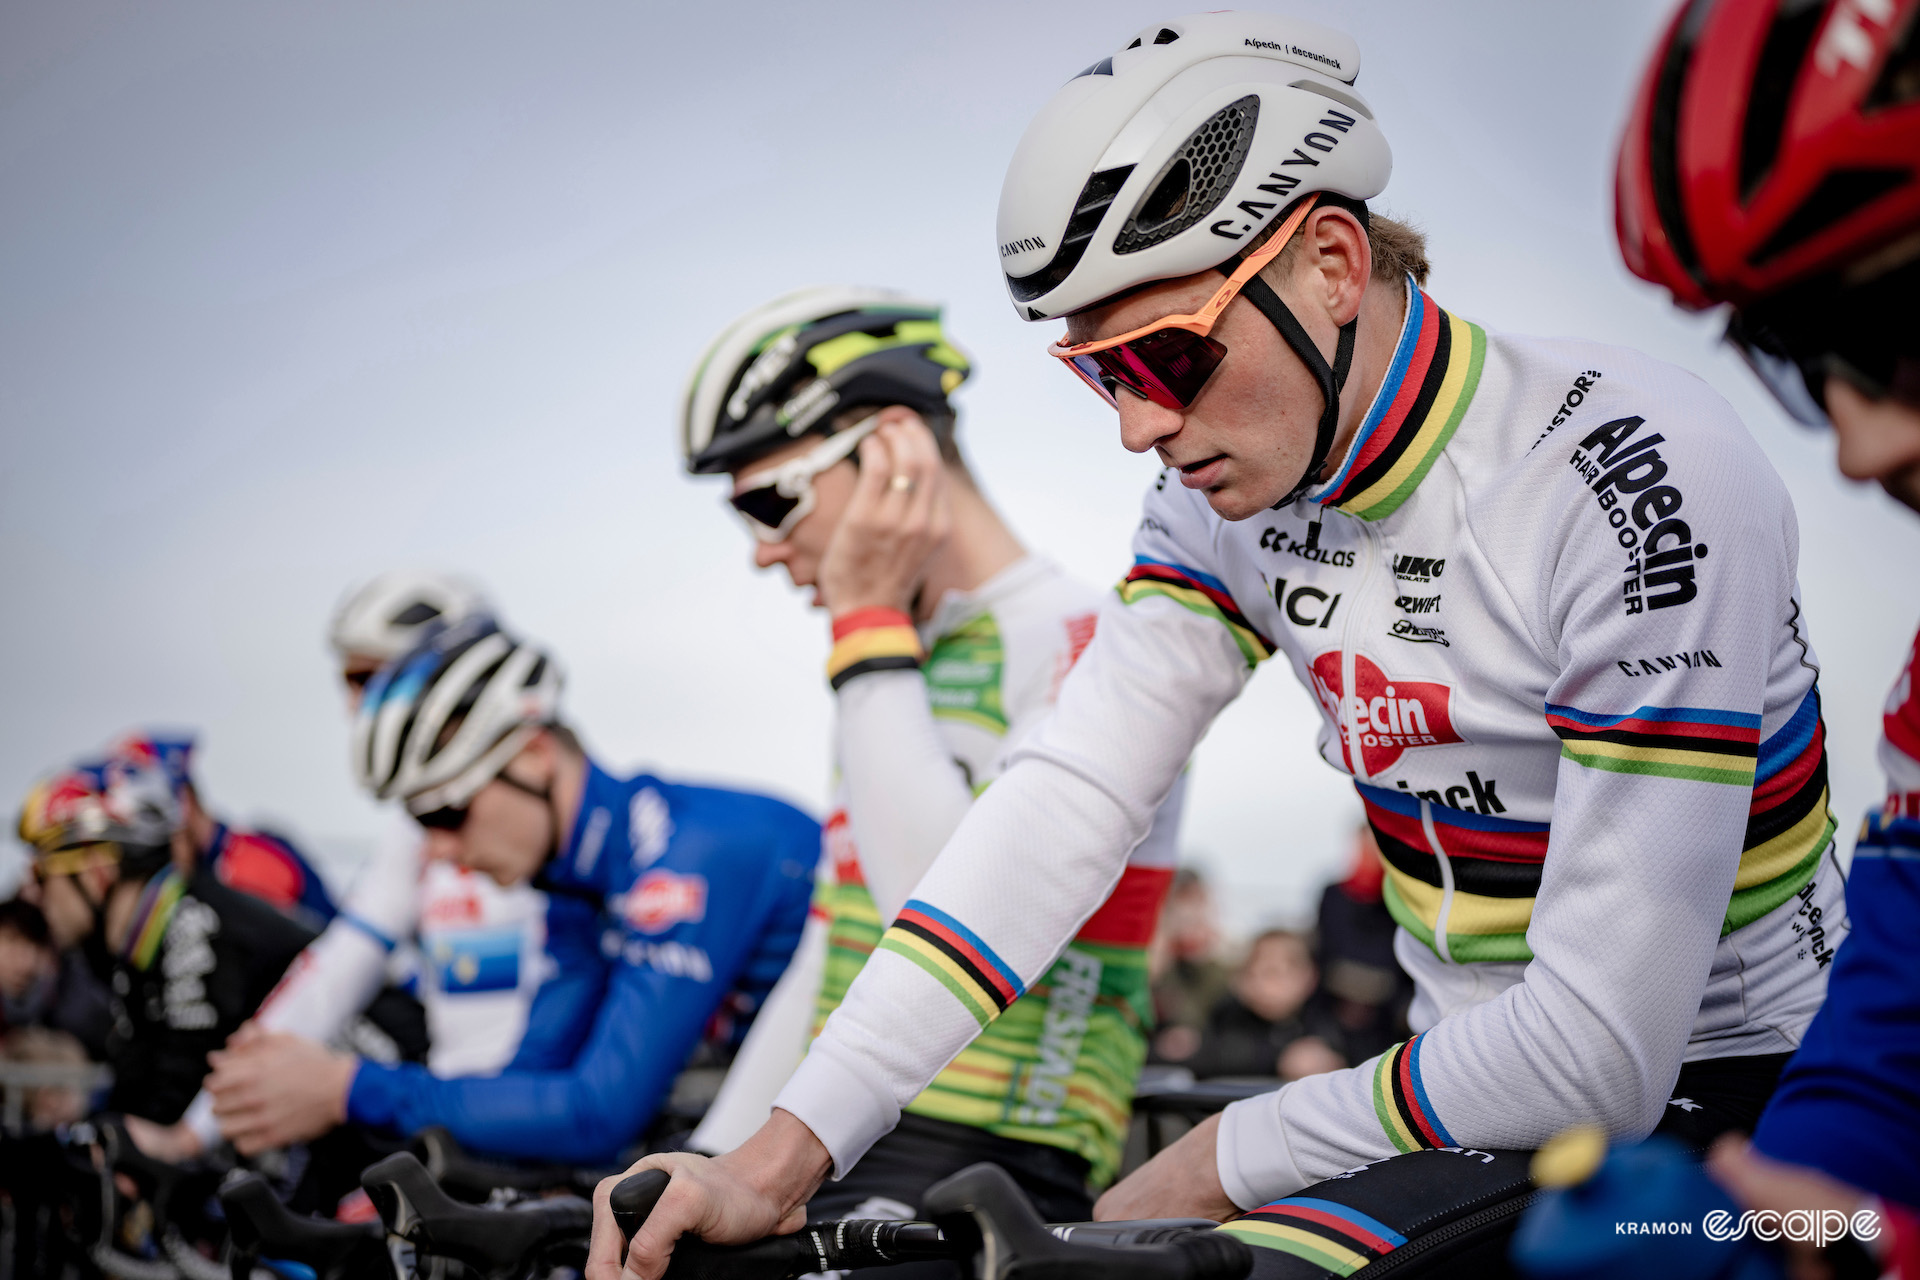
{"x":151,"y":916}
{"x":1429,"y":384}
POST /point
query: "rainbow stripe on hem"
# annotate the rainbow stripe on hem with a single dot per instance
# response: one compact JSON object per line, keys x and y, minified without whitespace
{"x":1322,"y":1232}
{"x":1695,"y":744}
{"x":1401,"y":1103}
{"x":1430,"y":382}
{"x":955,"y":957}
{"x":1201,"y":592}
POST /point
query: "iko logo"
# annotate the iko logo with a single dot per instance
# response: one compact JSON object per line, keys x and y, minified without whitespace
{"x":1022,"y":245}
{"x":1573,"y":399}
{"x":1418,"y":568}
{"x":1614,"y":468}
{"x":1414,"y":634}
{"x":1281,"y":542}
{"x":1281,"y":185}
{"x":1389,"y":717}
{"x":1417,"y":604}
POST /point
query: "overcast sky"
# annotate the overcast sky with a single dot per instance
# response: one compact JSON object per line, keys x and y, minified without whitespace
{"x":292,"y":293}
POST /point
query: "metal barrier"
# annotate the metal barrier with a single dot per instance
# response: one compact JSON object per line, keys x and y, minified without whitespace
{"x":18,"y":1077}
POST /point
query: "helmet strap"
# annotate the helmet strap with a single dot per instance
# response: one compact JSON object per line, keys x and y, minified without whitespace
{"x":1332,"y":378}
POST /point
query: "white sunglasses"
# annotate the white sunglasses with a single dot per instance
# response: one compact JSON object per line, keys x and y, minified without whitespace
{"x":775,"y":500}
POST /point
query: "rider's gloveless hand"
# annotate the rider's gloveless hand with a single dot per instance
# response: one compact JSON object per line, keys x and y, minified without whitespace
{"x":1181,"y":1182}
{"x":900,"y":515}
{"x":759,"y":1189}
{"x":273,"y":1088}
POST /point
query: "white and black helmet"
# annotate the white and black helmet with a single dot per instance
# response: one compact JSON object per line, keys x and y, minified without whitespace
{"x":790,"y":366}
{"x":1167,"y":158}
{"x":439,"y":723}
{"x":394,"y":612}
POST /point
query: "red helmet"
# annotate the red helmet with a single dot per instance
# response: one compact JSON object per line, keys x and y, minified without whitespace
{"x":1772,"y":142}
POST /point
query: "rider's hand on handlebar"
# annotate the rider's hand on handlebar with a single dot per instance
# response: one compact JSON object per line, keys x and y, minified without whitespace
{"x":759,"y":1189}
{"x":272,"y":1088}
{"x":898,"y":518}
{"x":1181,"y":1182}
{"x":174,"y":1143}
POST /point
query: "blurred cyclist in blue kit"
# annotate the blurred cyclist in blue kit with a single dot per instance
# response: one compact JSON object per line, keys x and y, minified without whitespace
{"x":666,"y":904}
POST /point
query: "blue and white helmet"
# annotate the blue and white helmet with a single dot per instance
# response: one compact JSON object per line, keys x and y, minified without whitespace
{"x":1167,"y":158}
{"x":438,"y":724}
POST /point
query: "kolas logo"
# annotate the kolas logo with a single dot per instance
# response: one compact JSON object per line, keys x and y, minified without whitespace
{"x":663,"y":899}
{"x":1389,"y":716}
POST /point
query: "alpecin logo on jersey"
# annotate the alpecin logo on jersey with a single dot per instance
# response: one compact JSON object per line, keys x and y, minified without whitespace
{"x":1624,"y":470}
{"x":1390,"y":717}
{"x":663,"y":899}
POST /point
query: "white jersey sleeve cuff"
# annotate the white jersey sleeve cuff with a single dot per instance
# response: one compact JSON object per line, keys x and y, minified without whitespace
{"x":843,"y":1099}
{"x":199,"y":1119}
{"x":1251,"y":1153}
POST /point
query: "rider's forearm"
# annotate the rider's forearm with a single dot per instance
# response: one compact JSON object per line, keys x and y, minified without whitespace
{"x":906,"y":794}
{"x":1032,"y":860}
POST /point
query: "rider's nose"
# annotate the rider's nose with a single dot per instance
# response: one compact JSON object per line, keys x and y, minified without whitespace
{"x":1144,"y":424}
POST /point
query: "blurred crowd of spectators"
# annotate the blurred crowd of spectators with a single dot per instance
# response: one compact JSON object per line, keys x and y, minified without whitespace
{"x":1289,"y":1003}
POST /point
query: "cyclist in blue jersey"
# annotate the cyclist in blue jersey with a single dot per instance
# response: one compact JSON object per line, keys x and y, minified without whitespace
{"x":666,"y":904}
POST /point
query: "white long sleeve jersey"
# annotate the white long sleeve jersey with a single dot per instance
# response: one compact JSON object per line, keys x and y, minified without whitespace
{"x":1547,"y":605}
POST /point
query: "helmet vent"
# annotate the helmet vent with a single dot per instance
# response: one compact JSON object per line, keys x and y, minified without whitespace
{"x":1195,"y":180}
{"x":1663,"y":134}
{"x":1840,"y":193}
{"x":1167,"y":36}
{"x":1104,"y":67}
{"x":1088,"y":210}
{"x":1774,"y":77}
{"x":414,"y":615}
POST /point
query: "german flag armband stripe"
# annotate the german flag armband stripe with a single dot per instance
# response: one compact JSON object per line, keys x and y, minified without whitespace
{"x":872,"y":640}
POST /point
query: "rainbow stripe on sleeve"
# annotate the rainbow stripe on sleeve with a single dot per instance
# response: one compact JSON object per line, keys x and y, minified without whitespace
{"x":1697,"y":744}
{"x":1790,"y":822}
{"x":1401,"y":1103}
{"x":872,"y":640}
{"x":956,"y":957}
{"x":1201,"y":592}
{"x":1324,"y":1233}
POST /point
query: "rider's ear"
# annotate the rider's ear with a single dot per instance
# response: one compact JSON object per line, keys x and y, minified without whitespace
{"x":1339,"y":261}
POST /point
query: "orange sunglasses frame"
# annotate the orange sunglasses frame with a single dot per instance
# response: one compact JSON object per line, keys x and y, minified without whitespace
{"x":1203,"y":320}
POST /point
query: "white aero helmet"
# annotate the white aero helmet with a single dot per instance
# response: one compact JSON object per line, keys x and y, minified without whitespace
{"x":439,"y":723}
{"x":1168,"y":157}
{"x":394,"y":612}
